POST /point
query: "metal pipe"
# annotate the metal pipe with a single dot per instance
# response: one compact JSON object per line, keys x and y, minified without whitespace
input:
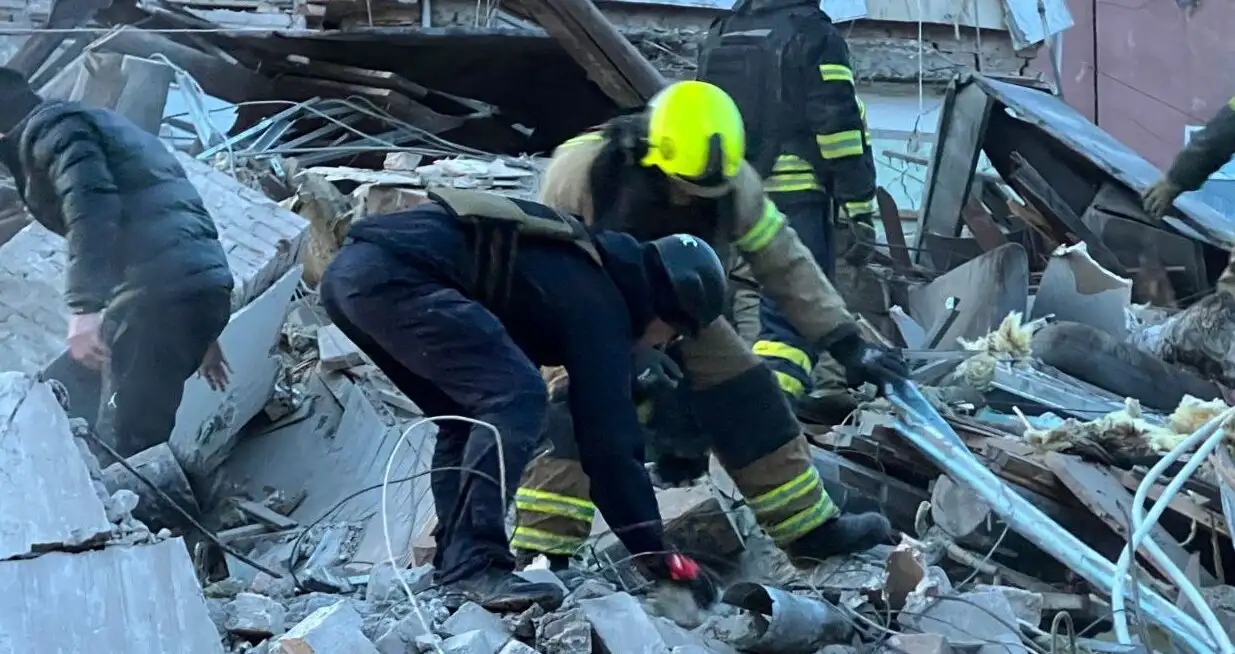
{"x":785,"y":623}
{"x":929,"y":432}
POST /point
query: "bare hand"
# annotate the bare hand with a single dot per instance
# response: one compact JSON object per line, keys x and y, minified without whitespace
{"x":85,"y":339}
{"x":214,"y":368}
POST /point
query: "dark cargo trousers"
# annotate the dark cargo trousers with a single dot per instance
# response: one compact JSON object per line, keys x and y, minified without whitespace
{"x":779,"y":344}
{"x":451,"y":356}
{"x":156,"y":345}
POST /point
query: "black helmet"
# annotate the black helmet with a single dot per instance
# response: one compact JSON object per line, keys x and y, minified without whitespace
{"x":694,"y":287}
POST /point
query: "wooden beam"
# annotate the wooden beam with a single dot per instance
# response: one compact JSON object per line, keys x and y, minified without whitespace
{"x":65,"y":14}
{"x":217,"y":77}
{"x":611,"y":61}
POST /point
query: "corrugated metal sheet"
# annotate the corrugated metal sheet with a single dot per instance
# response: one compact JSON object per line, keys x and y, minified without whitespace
{"x":120,"y":600}
{"x":1202,"y":221}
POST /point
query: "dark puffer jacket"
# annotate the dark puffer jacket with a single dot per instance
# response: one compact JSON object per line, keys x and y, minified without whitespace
{"x":134,"y":223}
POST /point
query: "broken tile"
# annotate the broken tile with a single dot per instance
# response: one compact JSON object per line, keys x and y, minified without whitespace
{"x":254,"y":616}
{"x":117,"y":600}
{"x":49,"y":501}
{"x":622,"y":625}
{"x":335,"y":628}
{"x":1075,"y":288}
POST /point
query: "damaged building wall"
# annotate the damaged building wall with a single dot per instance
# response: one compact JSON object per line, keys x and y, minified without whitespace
{"x":1144,"y":71}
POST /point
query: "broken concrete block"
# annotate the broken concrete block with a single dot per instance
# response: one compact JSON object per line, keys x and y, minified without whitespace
{"x":564,"y":632}
{"x":679,"y":638}
{"x":471,"y":642}
{"x":49,"y":501}
{"x":918,"y":644}
{"x":985,"y":617}
{"x":473,"y":617}
{"x":1027,"y":605}
{"x":117,"y":600}
{"x":159,"y":465}
{"x":590,"y":589}
{"x":622,"y":625}
{"x":384,"y":585}
{"x":208,"y":422}
{"x":254,"y":616}
{"x":516,"y":647}
{"x":401,"y":637}
{"x":335,"y":628}
{"x":336,"y":351}
{"x":120,"y":505}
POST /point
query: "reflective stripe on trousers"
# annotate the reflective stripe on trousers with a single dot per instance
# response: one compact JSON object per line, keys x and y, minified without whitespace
{"x":551,"y":523}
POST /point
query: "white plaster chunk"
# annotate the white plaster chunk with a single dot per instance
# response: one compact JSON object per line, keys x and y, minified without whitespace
{"x":119,"y":600}
{"x":48,"y":501}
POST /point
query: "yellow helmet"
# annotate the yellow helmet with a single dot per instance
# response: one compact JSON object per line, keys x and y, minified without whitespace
{"x":695,"y":136}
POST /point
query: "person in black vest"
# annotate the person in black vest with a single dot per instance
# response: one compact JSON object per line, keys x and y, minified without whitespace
{"x":147,"y":283}
{"x":458,"y":302}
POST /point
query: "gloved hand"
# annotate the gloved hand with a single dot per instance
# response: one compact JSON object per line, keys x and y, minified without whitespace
{"x":1160,"y":196}
{"x":868,"y":362}
{"x":654,"y":370}
{"x":681,"y":571}
{"x":862,"y":239}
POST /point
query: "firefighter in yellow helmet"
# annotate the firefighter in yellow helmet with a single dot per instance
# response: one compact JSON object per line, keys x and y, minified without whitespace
{"x":679,"y":166}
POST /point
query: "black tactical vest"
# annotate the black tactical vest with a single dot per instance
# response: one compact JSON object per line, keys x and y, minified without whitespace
{"x":498,"y":223}
{"x":746,"y":54}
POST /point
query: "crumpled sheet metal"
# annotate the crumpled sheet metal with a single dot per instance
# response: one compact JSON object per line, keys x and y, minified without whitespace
{"x":918,"y":422}
{"x":794,"y":624}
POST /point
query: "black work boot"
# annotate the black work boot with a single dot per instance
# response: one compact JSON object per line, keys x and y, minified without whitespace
{"x":499,"y":590}
{"x":846,"y":534}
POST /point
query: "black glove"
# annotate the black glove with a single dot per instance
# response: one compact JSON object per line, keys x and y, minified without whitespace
{"x":681,"y":570}
{"x":654,"y":371}
{"x":865,"y":361}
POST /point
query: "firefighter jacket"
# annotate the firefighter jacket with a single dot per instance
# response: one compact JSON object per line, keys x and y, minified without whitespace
{"x":1208,"y":151}
{"x":732,"y":395}
{"x":748,"y":222}
{"x":787,"y":68}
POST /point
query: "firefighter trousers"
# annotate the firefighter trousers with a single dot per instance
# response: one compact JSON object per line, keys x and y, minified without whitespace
{"x":451,"y":356}
{"x":749,"y":426}
{"x":790,"y":357}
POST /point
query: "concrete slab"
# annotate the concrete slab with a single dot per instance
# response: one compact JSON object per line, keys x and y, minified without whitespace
{"x":262,"y":239}
{"x":208,"y":422}
{"x":48,"y":500}
{"x":340,"y":449}
{"x":118,"y":600}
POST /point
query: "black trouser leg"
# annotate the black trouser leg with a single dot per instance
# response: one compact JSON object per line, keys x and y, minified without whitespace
{"x":155,"y":346}
{"x":451,"y":435}
{"x":436,"y":333}
{"x":780,"y":345}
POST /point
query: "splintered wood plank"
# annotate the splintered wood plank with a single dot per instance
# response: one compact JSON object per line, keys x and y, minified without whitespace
{"x":1103,"y":494}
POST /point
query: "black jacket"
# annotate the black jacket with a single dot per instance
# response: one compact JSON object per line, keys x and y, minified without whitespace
{"x":563,"y":310}
{"x":133,"y":222}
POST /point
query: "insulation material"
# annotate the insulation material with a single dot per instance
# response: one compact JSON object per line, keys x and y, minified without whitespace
{"x":1125,"y":436}
{"x":1076,"y":288}
{"x":1009,"y":342}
